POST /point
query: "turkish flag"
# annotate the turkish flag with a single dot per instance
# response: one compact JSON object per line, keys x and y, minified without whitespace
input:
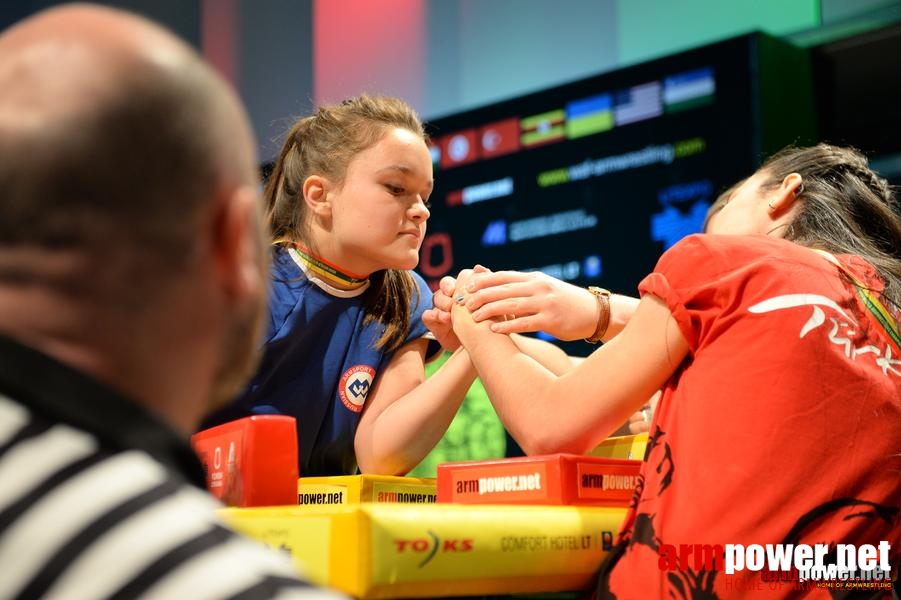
{"x":499,"y":138}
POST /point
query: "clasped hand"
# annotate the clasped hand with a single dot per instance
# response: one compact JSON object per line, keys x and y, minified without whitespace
{"x":512,"y":302}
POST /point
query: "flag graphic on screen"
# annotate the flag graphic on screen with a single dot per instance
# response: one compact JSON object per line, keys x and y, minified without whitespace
{"x":688,"y":90}
{"x":499,"y":138}
{"x":459,"y":148}
{"x":589,"y":115}
{"x":543,"y":128}
{"x":638,"y":103}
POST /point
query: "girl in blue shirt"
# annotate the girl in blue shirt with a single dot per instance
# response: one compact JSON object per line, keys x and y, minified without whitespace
{"x":345,"y":346}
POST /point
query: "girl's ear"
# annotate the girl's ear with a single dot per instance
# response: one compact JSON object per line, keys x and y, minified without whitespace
{"x":315,"y":194}
{"x":784,"y":197}
{"x":793,"y":183}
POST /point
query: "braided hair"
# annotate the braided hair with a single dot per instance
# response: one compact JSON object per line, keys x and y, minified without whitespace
{"x":846,"y":208}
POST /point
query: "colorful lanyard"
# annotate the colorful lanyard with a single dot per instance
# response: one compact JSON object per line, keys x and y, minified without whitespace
{"x":328,"y":270}
{"x":870,"y":300}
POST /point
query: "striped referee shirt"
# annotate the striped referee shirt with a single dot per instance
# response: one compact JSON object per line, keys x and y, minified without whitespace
{"x":100,"y":499}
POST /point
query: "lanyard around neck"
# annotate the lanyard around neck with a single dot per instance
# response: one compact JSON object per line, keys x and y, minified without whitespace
{"x":327,"y":269}
{"x":877,"y":309}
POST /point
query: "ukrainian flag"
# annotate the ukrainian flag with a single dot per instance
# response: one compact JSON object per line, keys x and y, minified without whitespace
{"x":589,"y":115}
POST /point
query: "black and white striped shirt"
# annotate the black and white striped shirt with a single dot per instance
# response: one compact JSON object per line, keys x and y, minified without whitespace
{"x":99,"y":499}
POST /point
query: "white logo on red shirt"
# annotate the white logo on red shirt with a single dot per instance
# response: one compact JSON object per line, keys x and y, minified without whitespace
{"x":839,"y":331}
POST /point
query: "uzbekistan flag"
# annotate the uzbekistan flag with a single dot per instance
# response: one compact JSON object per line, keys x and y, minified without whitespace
{"x":688,"y":90}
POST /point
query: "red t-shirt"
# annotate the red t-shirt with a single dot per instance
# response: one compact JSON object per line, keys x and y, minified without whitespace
{"x":783,"y":426}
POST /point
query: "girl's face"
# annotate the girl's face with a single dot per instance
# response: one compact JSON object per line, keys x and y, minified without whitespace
{"x":745,"y":211}
{"x":379,"y":213}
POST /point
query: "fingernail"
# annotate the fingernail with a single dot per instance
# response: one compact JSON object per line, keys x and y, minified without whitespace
{"x":470,"y":287}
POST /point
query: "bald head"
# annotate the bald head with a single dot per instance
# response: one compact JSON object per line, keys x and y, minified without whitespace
{"x":65,"y":60}
{"x":130,"y":236}
{"x":112,"y":131}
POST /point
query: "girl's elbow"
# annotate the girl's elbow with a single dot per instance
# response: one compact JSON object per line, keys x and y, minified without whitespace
{"x":552,"y":442}
{"x":372,"y":465}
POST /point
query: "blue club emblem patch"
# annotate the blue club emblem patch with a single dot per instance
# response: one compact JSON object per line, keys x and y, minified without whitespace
{"x":355,"y":385}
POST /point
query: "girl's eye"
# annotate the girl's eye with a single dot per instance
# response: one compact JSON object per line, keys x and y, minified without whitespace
{"x":397,"y":191}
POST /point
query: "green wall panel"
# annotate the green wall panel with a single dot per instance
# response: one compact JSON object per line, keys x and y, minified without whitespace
{"x":651,"y":28}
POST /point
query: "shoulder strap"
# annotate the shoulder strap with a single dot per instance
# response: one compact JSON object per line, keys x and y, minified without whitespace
{"x":876,"y":308}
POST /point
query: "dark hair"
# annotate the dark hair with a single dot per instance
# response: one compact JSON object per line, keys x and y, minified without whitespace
{"x":846,"y":208}
{"x":324,"y":144}
{"x":719,"y":203}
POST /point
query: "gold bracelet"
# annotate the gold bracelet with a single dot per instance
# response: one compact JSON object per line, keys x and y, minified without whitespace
{"x":603,"y":297}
